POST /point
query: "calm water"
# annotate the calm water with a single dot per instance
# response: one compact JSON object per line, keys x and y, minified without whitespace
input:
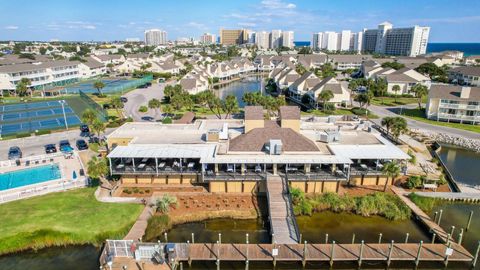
{"x":238,"y":88}
{"x":467,"y":48}
{"x":462,"y":163}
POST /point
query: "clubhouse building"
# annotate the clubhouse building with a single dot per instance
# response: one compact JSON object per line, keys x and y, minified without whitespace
{"x":237,"y":155}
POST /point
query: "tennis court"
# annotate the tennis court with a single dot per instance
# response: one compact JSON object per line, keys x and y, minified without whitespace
{"x":29,"y":117}
{"x":111,"y":86}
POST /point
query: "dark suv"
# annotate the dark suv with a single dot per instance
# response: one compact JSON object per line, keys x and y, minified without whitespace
{"x":84,"y":128}
{"x":50,"y":148}
{"x":14,"y":153}
{"x":82,"y":145}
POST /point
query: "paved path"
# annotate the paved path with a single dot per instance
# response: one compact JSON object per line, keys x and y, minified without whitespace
{"x":138,"y":229}
{"x":283,"y":226}
{"x":141,"y":96}
{"x":414,"y":124}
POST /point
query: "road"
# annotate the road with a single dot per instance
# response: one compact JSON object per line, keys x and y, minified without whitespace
{"x":418,"y":125}
{"x":141,"y":96}
{"x":34,"y":145}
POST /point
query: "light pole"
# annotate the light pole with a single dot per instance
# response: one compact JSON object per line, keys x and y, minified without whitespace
{"x":62,"y":102}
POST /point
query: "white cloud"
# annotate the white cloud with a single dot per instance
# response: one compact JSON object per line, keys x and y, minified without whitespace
{"x":197,"y":25}
{"x":247,"y":24}
{"x":277,"y":4}
{"x":11,"y":27}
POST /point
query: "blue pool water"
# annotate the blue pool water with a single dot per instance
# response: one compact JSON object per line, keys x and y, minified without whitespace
{"x":29,"y":176}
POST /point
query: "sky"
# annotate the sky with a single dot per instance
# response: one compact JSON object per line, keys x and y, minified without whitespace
{"x":106,"y":20}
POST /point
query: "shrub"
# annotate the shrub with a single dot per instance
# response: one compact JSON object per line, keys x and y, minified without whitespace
{"x":413,"y":181}
{"x":157,"y":225}
{"x":442,"y":180}
{"x":297,"y":195}
{"x":22,"y":135}
{"x":167,"y":120}
{"x":413,"y":157}
{"x":127,"y":191}
{"x":143,"y":109}
{"x":163,"y":204}
{"x":425,"y":203}
{"x":43,"y":132}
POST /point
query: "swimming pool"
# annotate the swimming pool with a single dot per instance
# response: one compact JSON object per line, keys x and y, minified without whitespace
{"x":29,"y":176}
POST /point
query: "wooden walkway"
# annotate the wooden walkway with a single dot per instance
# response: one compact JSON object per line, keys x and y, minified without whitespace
{"x":319,"y":252}
{"x":138,"y":229}
{"x":452,"y":196}
{"x":282,"y":220}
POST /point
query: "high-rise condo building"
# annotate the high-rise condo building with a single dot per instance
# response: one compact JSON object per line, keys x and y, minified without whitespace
{"x":262,"y":40}
{"x":345,"y":36}
{"x":330,"y":41}
{"x":287,"y":39}
{"x":233,"y":36}
{"x":409,"y":41}
{"x":317,"y":41}
{"x":207,"y":38}
{"x":275,"y":39}
{"x":155,"y":37}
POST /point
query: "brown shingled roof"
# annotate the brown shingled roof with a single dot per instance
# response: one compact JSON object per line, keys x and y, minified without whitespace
{"x":187,"y":118}
{"x":253,"y":113}
{"x":289,"y":112}
{"x":255,"y":140}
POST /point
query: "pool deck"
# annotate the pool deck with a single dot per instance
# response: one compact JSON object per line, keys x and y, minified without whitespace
{"x":66,"y":165}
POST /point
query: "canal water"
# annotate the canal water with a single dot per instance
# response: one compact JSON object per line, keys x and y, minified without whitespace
{"x":253,"y":83}
{"x":463,"y":164}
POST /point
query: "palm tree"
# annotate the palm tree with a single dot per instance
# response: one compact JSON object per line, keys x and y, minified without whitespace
{"x":89,"y":116}
{"x":99,"y":85}
{"x":22,"y":87}
{"x":390,"y":169}
{"x":325,"y":96}
{"x":154,"y":104}
{"x":163,"y":205}
{"x":399,"y":126}
{"x":117,"y":104}
{"x":387,"y":122}
{"x":396,"y":89}
{"x":98,"y":127}
{"x":420,"y":91}
{"x":352,"y":85}
{"x":168,"y":109}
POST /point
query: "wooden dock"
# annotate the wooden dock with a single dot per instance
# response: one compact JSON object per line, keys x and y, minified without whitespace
{"x":138,"y":229}
{"x":321,"y":252}
{"x":284,"y":228}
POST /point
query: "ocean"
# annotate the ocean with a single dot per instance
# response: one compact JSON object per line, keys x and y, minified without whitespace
{"x":467,"y":48}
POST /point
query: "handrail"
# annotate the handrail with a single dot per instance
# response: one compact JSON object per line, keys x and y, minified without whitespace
{"x":291,"y":213}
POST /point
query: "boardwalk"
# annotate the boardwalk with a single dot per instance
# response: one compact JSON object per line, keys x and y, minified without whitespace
{"x":282,"y":220}
{"x":452,"y":196}
{"x":138,"y":229}
{"x":319,"y":252}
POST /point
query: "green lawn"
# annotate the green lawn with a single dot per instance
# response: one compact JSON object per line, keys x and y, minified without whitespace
{"x":390,"y":101}
{"x":419,"y":115}
{"x":327,"y":113}
{"x":72,"y":217}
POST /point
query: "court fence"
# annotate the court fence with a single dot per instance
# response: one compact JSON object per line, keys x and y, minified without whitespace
{"x":101,"y":113}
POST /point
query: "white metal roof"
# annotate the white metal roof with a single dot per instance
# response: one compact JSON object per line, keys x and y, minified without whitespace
{"x":277,"y":159}
{"x":163,"y":151}
{"x":376,"y":151}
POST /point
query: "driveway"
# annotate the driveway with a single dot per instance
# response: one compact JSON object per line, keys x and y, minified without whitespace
{"x":140,"y":97}
{"x":418,"y":125}
{"x":34,"y":145}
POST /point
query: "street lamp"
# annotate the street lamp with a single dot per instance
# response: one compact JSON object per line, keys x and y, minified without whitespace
{"x":62,"y":102}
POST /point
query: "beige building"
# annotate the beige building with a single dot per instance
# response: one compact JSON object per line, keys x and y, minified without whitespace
{"x":233,"y":36}
{"x":238,"y":156}
{"x":454,"y":103}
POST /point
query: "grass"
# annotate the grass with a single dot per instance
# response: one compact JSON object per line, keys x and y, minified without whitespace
{"x":390,"y":101}
{"x":424,"y":203}
{"x":378,"y":203}
{"x":73,"y":217}
{"x":327,"y":113}
{"x":419,"y":115}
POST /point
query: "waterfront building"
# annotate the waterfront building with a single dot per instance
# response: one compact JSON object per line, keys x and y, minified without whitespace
{"x":330,"y":41}
{"x":466,"y":75}
{"x":317,"y":41}
{"x":155,"y":37}
{"x":356,"y":44}
{"x":262,"y":40}
{"x":409,"y":41}
{"x":207,"y":38}
{"x":453,"y":103}
{"x":287,"y":39}
{"x":345,"y":37}
{"x":233,"y":36}
{"x":238,"y":155}
{"x":275,"y":39}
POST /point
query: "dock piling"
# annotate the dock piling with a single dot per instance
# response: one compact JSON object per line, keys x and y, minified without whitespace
{"x":406,"y":237}
{"x":433,"y":238}
{"x":326,"y":238}
{"x":469,"y":220}
{"x":417,"y":260}
{"x":440,"y":217}
{"x":475,"y":258}
{"x":181,"y":266}
{"x":300,"y":239}
{"x":246,"y":253}
{"x":193,"y":238}
{"x":435,"y":217}
{"x":353,"y":239}
{"x":390,"y":251}
{"x":332,"y":253}
{"x":448,"y":238}
{"x":452,"y":229}
{"x":380,"y":238}
{"x":361,"y":253}
{"x":460,"y":237}
{"x":166,"y":237}
{"x":446,"y":254}
{"x":304,"y":261}
{"x":274,"y":256}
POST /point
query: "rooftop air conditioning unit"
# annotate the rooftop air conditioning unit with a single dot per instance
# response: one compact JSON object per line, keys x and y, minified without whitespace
{"x":213,"y":135}
{"x":275,"y":147}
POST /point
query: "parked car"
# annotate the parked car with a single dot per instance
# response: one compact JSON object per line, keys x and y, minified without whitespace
{"x":50,"y":148}
{"x":14,"y":153}
{"x":148,"y":118}
{"x":123,"y":99}
{"x":65,"y":146}
{"x":82,"y":144}
{"x":84,"y":128}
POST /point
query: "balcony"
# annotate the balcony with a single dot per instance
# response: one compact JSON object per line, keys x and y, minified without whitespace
{"x":152,"y":166}
{"x":366,"y":169}
{"x":459,"y":117}
{"x":459,"y":106}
